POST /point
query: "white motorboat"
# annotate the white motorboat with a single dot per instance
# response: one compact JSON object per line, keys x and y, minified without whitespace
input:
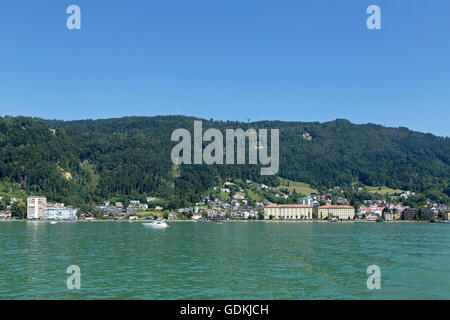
{"x":53,"y":222}
{"x":158,"y":224}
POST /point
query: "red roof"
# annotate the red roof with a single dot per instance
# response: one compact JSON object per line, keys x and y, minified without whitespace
{"x":288,"y":206}
{"x":337,"y":206}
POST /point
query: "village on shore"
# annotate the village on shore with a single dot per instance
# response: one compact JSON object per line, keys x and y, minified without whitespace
{"x":232,"y":201}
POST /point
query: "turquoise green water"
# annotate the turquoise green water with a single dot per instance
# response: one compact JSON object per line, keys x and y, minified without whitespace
{"x":225,"y":261}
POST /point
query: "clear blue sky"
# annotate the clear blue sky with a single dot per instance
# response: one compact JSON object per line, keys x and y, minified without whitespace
{"x":309,"y":60}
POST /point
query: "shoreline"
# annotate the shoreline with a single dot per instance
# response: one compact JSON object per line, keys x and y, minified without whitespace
{"x":195,"y":221}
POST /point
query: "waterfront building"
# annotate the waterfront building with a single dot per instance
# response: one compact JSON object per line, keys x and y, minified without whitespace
{"x":426,"y":214}
{"x":341,"y":212}
{"x":56,"y":213}
{"x":288,"y":211}
{"x":36,"y":207}
{"x":360,"y":215}
{"x":373,"y":209}
{"x":446,"y":216}
{"x":55,"y":205}
{"x":87,"y":216}
{"x":5,"y":215}
{"x":388,"y":216}
{"x":173,"y":215}
{"x":397,"y":214}
{"x":410,"y":214}
{"x":112,"y":211}
{"x":196,"y":216}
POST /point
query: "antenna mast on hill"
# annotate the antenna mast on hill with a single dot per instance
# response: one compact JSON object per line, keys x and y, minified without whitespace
{"x":178,"y":109}
{"x":248,"y":120}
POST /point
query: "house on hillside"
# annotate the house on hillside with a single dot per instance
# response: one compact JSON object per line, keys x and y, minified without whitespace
{"x":196,"y":216}
{"x":173,"y":215}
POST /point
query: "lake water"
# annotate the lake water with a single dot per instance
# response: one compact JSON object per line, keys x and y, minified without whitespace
{"x":236,"y":260}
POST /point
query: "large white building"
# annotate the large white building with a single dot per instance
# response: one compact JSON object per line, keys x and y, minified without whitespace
{"x":336,"y":211}
{"x":36,"y":207}
{"x":288,"y":211}
{"x":56,"y":213}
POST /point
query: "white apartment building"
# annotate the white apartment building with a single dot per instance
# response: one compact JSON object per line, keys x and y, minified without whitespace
{"x":36,"y":207}
{"x":288,"y":211}
{"x":336,"y":211}
{"x":55,"y":213}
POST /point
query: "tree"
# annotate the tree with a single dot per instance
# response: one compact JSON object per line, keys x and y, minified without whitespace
{"x":130,"y":157}
{"x":19,"y":209}
{"x":2,"y":205}
{"x":7,"y":199}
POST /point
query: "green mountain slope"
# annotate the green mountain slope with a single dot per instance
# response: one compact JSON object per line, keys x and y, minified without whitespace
{"x":84,"y":161}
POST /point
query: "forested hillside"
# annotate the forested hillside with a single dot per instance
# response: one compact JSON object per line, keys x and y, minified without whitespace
{"x":85,"y":161}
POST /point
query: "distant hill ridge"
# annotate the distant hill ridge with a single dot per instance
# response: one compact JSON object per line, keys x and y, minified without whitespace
{"x":131,"y":156}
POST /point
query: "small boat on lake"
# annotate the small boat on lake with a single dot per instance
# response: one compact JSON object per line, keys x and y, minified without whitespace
{"x":53,"y":222}
{"x":158,"y":224}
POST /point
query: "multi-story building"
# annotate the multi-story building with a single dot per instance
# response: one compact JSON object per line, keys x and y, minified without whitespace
{"x":56,"y":213}
{"x":336,"y":211}
{"x":288,"y":211}
{"x":306,"y":200}
{"x":426,"y":214}
{"x":446,"y":215}
{"x":388,"y":216}
{"x":113,"y":211}
{"x":409,"y":214}
{"x":36,"y":207}
{"x":398,"y":214}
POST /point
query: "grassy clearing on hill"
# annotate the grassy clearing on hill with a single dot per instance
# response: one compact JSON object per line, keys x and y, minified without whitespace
{"x":383,"y":190}
{"x":256,"y":196}
{"x":225,"y":196}
{"x":300,"y":187}
{"x":149,"y":213}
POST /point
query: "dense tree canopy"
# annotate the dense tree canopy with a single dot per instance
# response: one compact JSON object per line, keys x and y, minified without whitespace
{"x":80,"y":162}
